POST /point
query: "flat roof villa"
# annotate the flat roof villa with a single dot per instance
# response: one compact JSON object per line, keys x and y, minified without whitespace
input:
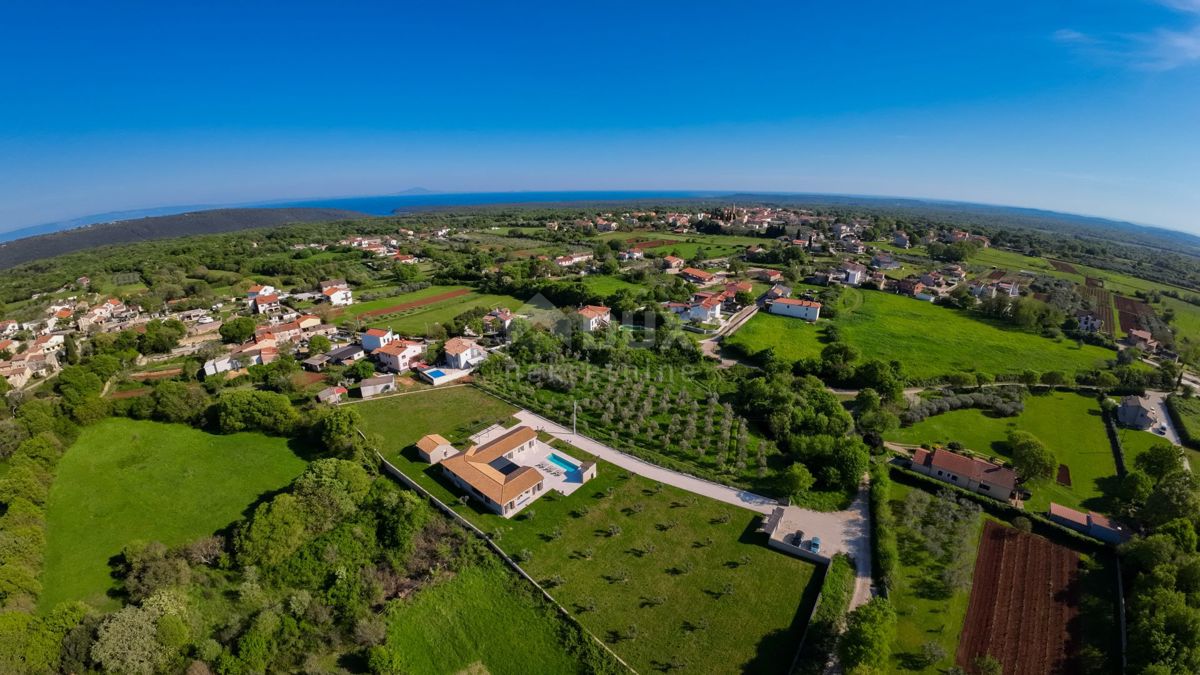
{"x":506,"y":469}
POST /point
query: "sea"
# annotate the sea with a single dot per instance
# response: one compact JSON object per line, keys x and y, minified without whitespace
{"x":378,"y":205}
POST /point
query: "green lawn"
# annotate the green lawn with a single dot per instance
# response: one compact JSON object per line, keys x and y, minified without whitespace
{"x":481,"y":620}
{"x":1069,"y":424}
{"x":924,"y":615}
{"x":607,"y":285}
{"x":392,"y":300}
{"x":455,"y":413}
{"x":928,"y":340}
{"x":125,"y":480}
{"x":420,"y":320}
{"x":664,"y":573}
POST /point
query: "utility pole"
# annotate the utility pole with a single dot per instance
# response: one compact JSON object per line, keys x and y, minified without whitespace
{"x":574,"y":410}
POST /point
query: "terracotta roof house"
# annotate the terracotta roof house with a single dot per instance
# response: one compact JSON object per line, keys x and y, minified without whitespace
{"x":1137,"y":412}
{"x":433,"y":448}
{"x":809,"y":310}
{"x":399,"y":355}
{"x":696,"y":276}
{"x":374,"y":338}
{"x":489,"y":475}
{"x":970,"y":473}
{"x":1142,"y":339}
{"x":593,"y":317}
{"x":1091,"y":523}
{"x":672,"y":262}
{"x":266,"y":303}
{"x":463,"y":354}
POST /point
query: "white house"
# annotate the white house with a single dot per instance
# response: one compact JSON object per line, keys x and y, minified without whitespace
{"x":338,"y":297}
{"x":900,"y":239}
{"x":434,"y":448}
{"x":264,"y":303}
{"x":398,"y":355}
{"x":593,"y":317}
{"x":463,"y":354}
{"x":374,"y":338}
{"x":808,"y":310}
{"x":256,"y":291}
{"x":706,"y":310}
{"x":853,"y":273}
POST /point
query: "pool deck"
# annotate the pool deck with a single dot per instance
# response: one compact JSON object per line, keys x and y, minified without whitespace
{"x":539,"y":458}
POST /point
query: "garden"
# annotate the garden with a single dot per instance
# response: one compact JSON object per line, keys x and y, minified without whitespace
{"x":1068,"y":424}
{"x":938,"y":537}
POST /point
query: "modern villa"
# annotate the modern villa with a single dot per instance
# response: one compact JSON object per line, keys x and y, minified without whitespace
{"x":508,"y":469}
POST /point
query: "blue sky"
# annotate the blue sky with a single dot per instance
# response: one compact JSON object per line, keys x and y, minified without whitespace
{"x":1085,"y":106}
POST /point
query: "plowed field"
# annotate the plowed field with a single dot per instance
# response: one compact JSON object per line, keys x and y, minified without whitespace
{"x":1023,"y":598}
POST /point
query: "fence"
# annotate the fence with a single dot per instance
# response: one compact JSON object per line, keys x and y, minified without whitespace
{"x":399,"y":475}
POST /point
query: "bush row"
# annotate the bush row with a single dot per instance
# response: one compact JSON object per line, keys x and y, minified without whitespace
{"x":884,"y":548}
{"x":1004,"y":401}
{"x":825,"y":625}
{"x":1178,"y":409}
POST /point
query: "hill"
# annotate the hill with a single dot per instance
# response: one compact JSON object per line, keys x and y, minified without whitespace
{"x":161,"y":227}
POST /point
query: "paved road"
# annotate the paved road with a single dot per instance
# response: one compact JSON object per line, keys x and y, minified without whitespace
{"x":712,"y":346}
{"x":840,"y":531}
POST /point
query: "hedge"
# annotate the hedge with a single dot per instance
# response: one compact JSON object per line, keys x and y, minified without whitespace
{"x":1185,"y":433}
{"x":825,"y":625}
{"x":884,"y":549}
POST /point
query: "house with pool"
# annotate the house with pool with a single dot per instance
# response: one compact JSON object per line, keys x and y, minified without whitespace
{"x":506,"y":470}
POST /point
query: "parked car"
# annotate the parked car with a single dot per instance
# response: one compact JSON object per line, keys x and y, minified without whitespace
{"x":814,"y":545}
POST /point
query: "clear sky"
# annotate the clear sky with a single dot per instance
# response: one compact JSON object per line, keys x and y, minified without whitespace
{"x":1088,"y":106}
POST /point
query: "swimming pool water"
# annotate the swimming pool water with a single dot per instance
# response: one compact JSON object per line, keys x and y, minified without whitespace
{"x":562,"y":463}
{"x":435,"y":373}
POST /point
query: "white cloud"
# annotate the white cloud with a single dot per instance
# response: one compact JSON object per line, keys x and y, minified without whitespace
{"x":1162,"y":49}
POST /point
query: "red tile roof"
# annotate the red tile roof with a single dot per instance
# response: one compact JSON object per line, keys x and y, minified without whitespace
{"x":799,"y":302}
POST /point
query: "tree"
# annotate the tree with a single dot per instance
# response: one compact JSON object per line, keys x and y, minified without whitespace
{"x":244,"y":410}
{"x":319,"y":344}
{"x":868,"y":636}
{"x":338,"y":430}
{"x":237,"y":330}
{"x":798,"y":480}
{"x":179,"y":402}
{"x":1159,"y":461}
{"x":360,"y":370}
{"x":275,"y":531}
{"x":1031,"y":458}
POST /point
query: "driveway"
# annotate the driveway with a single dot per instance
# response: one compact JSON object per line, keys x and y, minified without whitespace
{"x":840,"y":531}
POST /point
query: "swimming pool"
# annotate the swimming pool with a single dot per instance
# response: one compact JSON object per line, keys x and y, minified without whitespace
{"x":435,"y":373}
{"x":562,"y":462}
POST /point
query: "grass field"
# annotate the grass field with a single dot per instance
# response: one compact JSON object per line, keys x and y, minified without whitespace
{"x":1069,"y":424}
{"x":455,"y":413}
{"x":125,"y":480}
{"x":924,"y":616}
{"x":392,"y":300}
{"x":929,"y":340}
{"x":665,"y":573}
{"x":417,"y":321}
{"x":482,"y":620}
{"x":607,"y":285}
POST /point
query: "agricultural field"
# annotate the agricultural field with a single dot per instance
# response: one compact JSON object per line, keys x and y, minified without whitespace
{"x":417,"y":320}
{"x":1031,"y":606}
{"x":938,"y":544}
{"x":657,"y":414}
{"x":360,"y":308}
{"x":1187,"y":319}
{"x":483,"y":619}
{"x":1068,"y":424}
{"x":126,"y":480}
{"x":930,"y":341}
{"x":685,"y":246}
